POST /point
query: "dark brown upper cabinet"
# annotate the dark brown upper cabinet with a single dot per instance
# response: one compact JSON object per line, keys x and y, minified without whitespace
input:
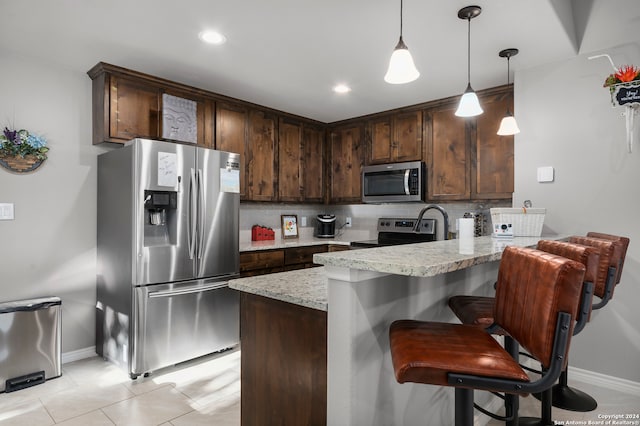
{"x":396,"y":138}
{"x":346,"y":161}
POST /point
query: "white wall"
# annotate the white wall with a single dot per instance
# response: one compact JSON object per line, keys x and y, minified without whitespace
{"x":49,"y":249}
{"x":567,"y":121}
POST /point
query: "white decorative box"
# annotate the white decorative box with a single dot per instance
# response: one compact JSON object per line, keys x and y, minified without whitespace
{"x":527,"y":222}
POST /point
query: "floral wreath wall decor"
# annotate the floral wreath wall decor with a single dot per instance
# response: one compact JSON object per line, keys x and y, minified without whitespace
{"x":624,"y":87}
{"x":21,"y":151}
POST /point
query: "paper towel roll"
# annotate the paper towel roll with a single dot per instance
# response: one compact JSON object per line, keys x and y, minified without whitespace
{"x":466,"y":235}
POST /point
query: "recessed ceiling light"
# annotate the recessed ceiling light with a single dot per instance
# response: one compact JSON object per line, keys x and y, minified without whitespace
{"x":341,"y":88}
{"x":212,"y":37}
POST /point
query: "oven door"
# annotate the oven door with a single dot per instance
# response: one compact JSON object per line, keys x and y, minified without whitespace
{"x":393,"y":183}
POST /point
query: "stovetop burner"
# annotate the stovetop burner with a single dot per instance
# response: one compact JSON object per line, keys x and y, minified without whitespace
{"x":394,"y":231}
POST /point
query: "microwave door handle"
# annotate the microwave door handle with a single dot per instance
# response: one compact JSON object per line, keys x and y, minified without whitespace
{"x":406,"y":181}
{"x":191,"y":230}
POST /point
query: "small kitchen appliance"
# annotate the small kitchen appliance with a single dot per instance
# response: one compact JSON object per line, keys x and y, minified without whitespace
{"x":394,"y":183}
{"x":325,"y":226}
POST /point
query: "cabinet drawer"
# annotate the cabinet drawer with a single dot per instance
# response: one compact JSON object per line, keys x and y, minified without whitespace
{"x":261,"y":260}
{"x":302,"y":255}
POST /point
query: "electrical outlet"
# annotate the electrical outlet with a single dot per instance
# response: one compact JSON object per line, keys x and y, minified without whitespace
{"x":303,"y":221}
{"x":347,"y":222}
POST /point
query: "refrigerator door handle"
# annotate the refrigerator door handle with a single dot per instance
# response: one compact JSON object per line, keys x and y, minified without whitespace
{"x":201,"y":213}
{"x":193,"y":205}
{"x":190,"y":290}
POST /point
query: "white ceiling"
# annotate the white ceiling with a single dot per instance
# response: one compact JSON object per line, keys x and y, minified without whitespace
{"x":288,"y":54}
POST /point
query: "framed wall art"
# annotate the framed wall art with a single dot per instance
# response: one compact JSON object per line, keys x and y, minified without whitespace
{"x":289,"y":226}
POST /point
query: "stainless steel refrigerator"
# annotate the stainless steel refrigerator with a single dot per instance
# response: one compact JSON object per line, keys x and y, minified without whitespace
{"x":167,"y":244}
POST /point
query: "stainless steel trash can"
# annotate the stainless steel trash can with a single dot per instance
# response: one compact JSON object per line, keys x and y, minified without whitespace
{"x":30,"y":342}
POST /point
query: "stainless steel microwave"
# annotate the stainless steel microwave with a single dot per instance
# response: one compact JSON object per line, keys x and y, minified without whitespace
{"x":394,"y":183}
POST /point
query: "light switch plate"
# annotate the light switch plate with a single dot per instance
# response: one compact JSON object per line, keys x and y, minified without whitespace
{"x":6,"y":211}
{"x":545,"y":174}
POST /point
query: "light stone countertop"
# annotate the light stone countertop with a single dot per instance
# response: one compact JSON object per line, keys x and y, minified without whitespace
{"x":296,"y":242}
{"x":308,"y":287}
{"x":425,"y":259}
{"x":304,"y":287}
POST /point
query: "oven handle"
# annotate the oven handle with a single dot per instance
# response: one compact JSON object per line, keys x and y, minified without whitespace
{"x":407,"y":172}
{"x":190,"y":290}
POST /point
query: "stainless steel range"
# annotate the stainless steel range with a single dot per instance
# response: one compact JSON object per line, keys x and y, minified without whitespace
{"x":394,"y":231}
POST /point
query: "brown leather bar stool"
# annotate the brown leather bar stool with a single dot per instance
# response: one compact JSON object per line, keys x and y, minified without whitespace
{"x":613,"y":251}
{"x":479,"y":310}
{"x":534,"y":287}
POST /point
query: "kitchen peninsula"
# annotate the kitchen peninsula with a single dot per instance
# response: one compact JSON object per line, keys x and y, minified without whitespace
{"x":341,"y":313}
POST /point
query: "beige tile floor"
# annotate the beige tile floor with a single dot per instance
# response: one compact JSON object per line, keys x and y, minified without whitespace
{"x":92,"y":392}
{"x":206,"y":391}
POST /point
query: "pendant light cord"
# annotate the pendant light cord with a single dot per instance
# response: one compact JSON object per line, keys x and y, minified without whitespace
{"x":400,"y":19}
{"x":508,"y":70}
{"x":469,"y":51}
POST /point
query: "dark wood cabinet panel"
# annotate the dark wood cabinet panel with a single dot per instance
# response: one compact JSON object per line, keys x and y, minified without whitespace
{"x":346,"y":164}
{"x":262,"y":151}
{"x":231,"y":135}
{"x":290,"y":161}
{"x":302,"y":255}
{"x":313,"y":182}
{"x":407,"y":135}
{"x":492,"y":155}
{"x":261,"y":260}
{"x":380,"y":141}
{"x":134,"y":110}
{"x":448,"y":176}
{"x":396,"y":138}
{"x":283,"y":361}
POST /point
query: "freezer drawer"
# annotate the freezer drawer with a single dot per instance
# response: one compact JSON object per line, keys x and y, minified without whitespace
{"x":181,"y":321}
{"x":30,"y":342}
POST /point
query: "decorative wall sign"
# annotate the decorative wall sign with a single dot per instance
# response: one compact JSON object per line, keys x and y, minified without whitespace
{"x":626,"y":94}
{"x":179,"y":119}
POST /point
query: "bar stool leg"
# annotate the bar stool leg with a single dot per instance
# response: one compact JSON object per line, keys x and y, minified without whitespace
{"x":464,"y":407}
{"x":545,"y":420}
{"x":572,"y":399}
{"x":512,"y":401}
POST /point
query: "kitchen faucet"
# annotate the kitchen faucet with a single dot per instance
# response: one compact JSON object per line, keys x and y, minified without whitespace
{"x":416,"y":227}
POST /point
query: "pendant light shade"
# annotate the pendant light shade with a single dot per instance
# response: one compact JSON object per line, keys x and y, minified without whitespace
{"x":469,"y":105}
{"x":508,"y":125}
{"x":401,"y":67}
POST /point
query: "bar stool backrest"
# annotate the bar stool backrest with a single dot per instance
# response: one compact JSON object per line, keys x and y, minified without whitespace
{"x":533,"y":288}
{"x":624,"y":241}
{"x":607,"y":259}
{"x":588,"y":256}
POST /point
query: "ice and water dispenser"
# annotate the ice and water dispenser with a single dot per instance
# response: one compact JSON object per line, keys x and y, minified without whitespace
{"x":160,"y":222}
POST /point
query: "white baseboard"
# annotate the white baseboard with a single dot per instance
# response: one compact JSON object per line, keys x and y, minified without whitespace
{"x":602,"y":380}
{"x":78,"y":354}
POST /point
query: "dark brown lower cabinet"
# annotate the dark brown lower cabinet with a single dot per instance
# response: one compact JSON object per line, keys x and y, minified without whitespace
{"x":283,"y":363}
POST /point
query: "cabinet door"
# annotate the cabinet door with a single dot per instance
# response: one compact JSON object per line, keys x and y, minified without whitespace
{"x":262,"y":162}
{"x":380,"y":145}
{"x":492,"y":165}
{"x":407,"y":136}
{"x":449,"y":156}
{"x":231,"y":135}
{"x":133,"y":110}
{"x":313,"y":165}
{"x":346,"y":164}
{"x":289,"y":160}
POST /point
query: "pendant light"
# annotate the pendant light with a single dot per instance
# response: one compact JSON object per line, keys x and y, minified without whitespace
{"x":508,"y":125}
{"x":469,"y":105}
{"x":401,"y":67}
